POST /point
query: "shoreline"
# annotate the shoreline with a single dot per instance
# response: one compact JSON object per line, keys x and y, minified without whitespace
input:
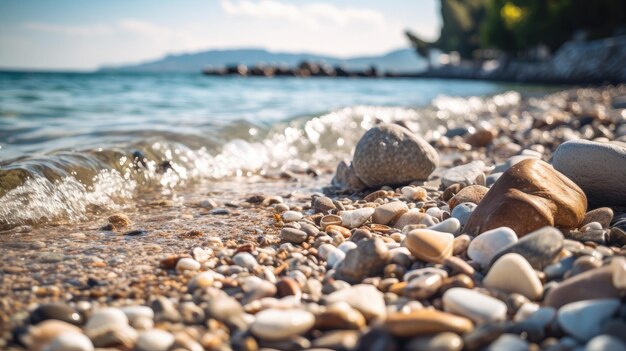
{"x":271,"y":259}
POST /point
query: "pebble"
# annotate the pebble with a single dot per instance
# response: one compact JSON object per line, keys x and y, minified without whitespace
{"x":389,"y":154}
{"x":201,"y":281}
{"x":46,"y":331}
{"x":598,"y":168}
{"x":274,"y":324}
{"x":472,"y":193}
{"x":426,"y":321}
{"x":462,"y":212}
{"x":450,"y":225}
{"x":356,"y":218}
{"x":323,"y":204}
{"x":413,"y":216}
{"x":336,"y":340}
{"x":528,"y":196}
{"x":508,"y":342}
{"x":293,"y":235}
{"x":364,"y":298}
{"x":429,"y":245}
{"x":339,"y":316}
{"x":602,"y":215}
{"x":445,"y":341}
{"x":70,"y":341}
{"x":511,"y":273}
{"x":389,"y":212}
{"x":540,"y":248}
{"x":245,"y":260}
{"x":583,"y":319}
{"x":473,"y":305}
{"x":366,"y":260}
{"x":187,"y":264}
{"x":291,"y":216}
{"x":154,"y":340}
{"x":105,"y":319}
{"x":58,"y":311}
{"x":413,"y":193}
{"x":605,"y":343}
{"x":334,"y":257}
{"x":593,"y":284}
{"x":487,"y":245}
{"x":139,"y":317}
{"x":467,"y":174}
{"x":345,"y":177}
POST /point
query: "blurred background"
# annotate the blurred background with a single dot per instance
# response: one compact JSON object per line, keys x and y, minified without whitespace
{"x":100,"y":99}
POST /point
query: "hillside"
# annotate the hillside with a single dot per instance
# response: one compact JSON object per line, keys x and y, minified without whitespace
{"x":402,"y":60}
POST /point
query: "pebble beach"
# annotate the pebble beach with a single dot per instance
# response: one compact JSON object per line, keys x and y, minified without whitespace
{"x":503,"y":228}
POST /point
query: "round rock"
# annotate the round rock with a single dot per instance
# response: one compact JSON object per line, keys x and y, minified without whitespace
{"x":429,"y":245}
{"x":275,"y":324}
{"x":154,"y":340}
{"x":540,"y":248}
{"x":511,"y":273}
{"x":583,"y":319}
{"x":488,"y":244}
{"x":389,"y":154}
{"x":473,"y":305}
{"x":598,"y":168}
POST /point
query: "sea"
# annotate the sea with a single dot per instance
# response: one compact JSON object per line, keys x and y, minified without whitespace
{"x":71,"y":142}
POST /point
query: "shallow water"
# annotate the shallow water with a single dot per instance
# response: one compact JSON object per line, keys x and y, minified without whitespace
{"x":74,"y":143}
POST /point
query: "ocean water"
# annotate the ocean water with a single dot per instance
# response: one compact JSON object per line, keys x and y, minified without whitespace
{"x":71,"y":143}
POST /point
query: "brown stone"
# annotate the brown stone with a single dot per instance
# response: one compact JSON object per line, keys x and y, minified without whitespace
{"x":481,"y":137}
{"x":426,"y":321}
{"x":528,"y":196}
{"x":413,"y":216}
{"x":472,"y":193}
{"x":387,"y":213}
{"x":429,"y":245}
{"x":594,"y":284}
{"x":452,"y":190}
{"x":288,"y":287}
{"x":339,"y":316}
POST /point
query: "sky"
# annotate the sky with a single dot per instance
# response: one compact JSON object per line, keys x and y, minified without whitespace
{"x":84,"y":35}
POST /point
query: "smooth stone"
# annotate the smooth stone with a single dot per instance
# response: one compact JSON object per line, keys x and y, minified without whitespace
{"x":462,"y":212}
{"x":598,"y":168}
{"x":605,"y":343}
{"x":446,"y":341}
{"x":583,"y":319}
{"x":70,"y":341}
{"x":423,"y":286}
{"x":154,"y":340}
{"x":345,"y":177}
{"x":481,"y":137}
{"x":602,"y":215}
{"x":389,"y":212}
{"x":275,"y":324}
{"x":429,"y":245}
{"x":256,"y":288}
{"x":594,"y":284}
{"x":187,"y":264}
{"x":46,"y":331}
{"x":105,"y":319}
{"x":540,"y":248}
{"x":528,"y":196}
{"x":618,"y":266}
{"x":473,"y":305}
{"x":367,"y":259}
{"x":450,"y":225}
{"x":466,"y":174}
{"x":511,"y":273}
{"x":424,"y":322}
{"x":472,"y":193}
{"x":413,"y":193}
{"x":201,"y":281}
{"x":139,"y":316}
{"x":336,"y":340}
{"x":293,"y":235}
{"x":291,"y":216}
{"x":356,"y":218}
{"x":508,"y":342}
{"x":323,"y":204}
{"x":245,"y":260}
{"x":58,"y":311}
{"x":413,"y":216}
{"x":364,"y":298}
{"x":347,"y":246}
{"x":487,"y":245}
{"x":339,"y":316}
{"x":389,"y":154}
{"x":335,"y":257}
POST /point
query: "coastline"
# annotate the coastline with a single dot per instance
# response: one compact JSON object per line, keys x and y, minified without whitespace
{"x":89,"y":266}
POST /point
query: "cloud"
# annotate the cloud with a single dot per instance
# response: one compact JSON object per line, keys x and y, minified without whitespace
{"x":313,"y":15}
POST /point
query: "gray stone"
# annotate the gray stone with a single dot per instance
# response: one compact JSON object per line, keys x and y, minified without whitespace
{"x":367,"y":259}
{"x":598,"y":168}
{"x":583,"y":319}
{"x":293,"y":235}
{"x":605,"y":343}
{"x":466,"y":174}
{"x":389,"y":154}
{"x":345,"y":177}
{"x":540,"y":248}
{"x":463,"y":211}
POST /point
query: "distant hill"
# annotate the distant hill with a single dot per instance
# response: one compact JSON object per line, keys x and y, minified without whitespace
{"x":402,"y":60}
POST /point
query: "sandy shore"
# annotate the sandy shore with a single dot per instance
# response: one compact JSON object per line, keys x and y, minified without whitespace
{"x":292,"y":269}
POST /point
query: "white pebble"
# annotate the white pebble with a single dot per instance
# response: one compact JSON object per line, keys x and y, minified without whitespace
{"x":154,"y":340}
{"x":292,"y":216}
{"x":187,"y":264}
{"x":70,"y":341}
